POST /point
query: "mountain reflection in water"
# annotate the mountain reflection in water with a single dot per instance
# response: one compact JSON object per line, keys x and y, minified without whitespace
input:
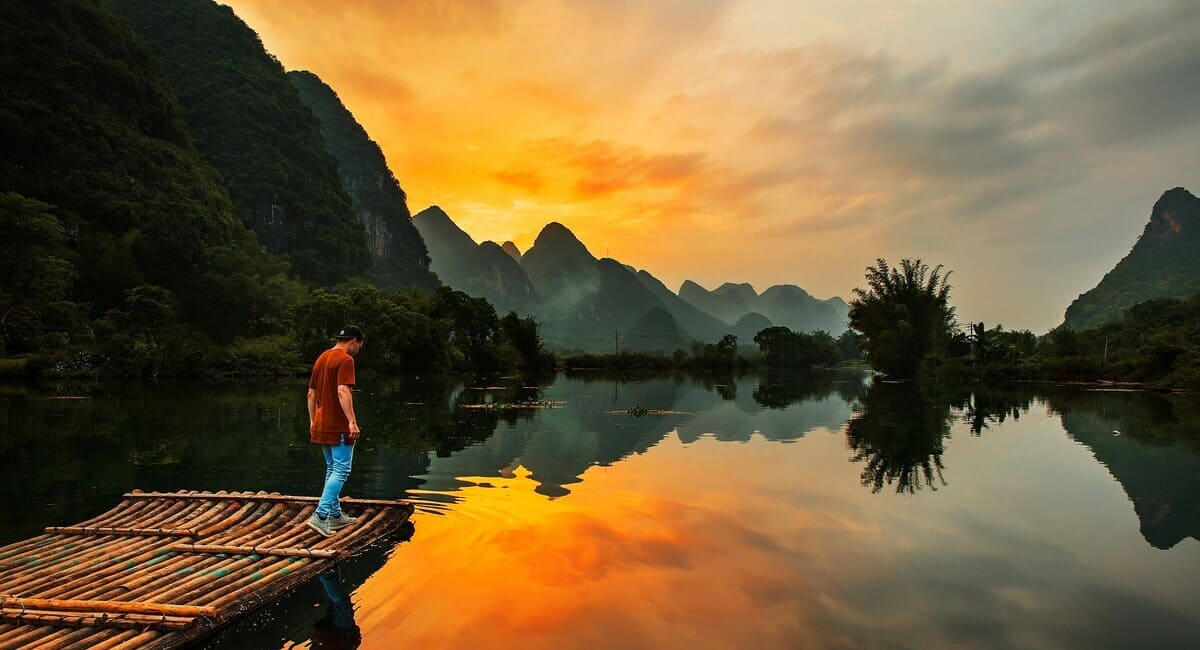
{"x":822,"y":510}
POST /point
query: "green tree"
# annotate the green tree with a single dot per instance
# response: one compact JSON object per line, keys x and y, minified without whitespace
{"x":247,"y":121}
{"x":471,"y":326}
{"x":522,"y":335}
{"x":35,"y":277}
{"x":783,"y":348}
{"x":850,"y":345}
{"x":904,"y":315}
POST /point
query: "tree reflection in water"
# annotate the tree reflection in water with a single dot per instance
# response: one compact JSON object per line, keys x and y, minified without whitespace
{"x":781,"y":388}
{"x":993,"y":405}
{"x":898,"y":430}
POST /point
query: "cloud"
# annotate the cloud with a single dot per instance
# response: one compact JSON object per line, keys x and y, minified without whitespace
{"x":603,"y":167}
{"x":1130,"y":90}
{"x":526,"y":179}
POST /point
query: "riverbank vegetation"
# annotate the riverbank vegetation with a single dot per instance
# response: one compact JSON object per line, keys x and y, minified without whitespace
{"x":909,"y":331}
{"x":148,"y":337}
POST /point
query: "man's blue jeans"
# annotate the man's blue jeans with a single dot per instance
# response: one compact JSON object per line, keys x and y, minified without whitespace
{"x":337,"y":470}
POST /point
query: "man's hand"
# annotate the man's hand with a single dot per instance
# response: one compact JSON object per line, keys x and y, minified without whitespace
{"x":352,"y":437}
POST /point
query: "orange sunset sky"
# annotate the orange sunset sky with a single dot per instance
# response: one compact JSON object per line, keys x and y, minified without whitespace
{"x":1020,"y":143}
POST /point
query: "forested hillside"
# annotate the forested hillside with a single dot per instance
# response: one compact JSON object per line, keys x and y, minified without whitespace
{"x":122,"y":253}
{"x":1163,"y":263}
{"x":103,"y":191}
{"x":248,"y":121}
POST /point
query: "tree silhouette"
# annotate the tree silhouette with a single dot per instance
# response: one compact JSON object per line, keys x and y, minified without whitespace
{"x":904,"y":315}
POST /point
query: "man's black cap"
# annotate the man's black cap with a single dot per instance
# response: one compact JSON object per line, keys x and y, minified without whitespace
{"x":349,"y":332}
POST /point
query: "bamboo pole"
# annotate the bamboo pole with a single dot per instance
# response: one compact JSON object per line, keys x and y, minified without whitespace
{"x":94,"y":619}
{"x":200,"y":583}
{"x":120,"y":516}
{"x":172,"y":511}
{"x":169,"y":575}
{"x":92,"y":566}
{"x":319,"y":553}
{"x":290,"y":530}
{"x":88,"y":564}
{"x":26,"y":635}
{"x":115,"y":638}
{"x":17,"y":549}
{"x":124,"y":532}
{"x":251,"y":496}
{"x":14,"y":561}
{"x":138,"y":641}
{"x":125,"y":503}
{"x":62,"y":636}
{"x":155,"y":564}
{"x":258,"y":517}
{"x":250,"y":591}
{"x":104,"y":606}
{"x":67,"y":637}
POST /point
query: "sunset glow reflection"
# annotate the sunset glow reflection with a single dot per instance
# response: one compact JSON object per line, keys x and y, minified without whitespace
{"x":639,"y":557}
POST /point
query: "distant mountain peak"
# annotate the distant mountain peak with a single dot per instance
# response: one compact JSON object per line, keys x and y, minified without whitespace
{"x":434,"y":211}
{"x":433,"y":221}
{"x":739,"y":287}
{"x":512,"y":250}
{"x":1173,"y":213}
{"x":787,"y":289}
{"x":556,"y":235}
{"x":1163,"y":263}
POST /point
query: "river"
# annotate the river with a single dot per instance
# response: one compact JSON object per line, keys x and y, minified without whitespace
{"x":798,"y":511}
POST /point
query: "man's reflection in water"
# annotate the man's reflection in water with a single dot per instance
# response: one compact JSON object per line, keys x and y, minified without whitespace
{"x":336,"y":628}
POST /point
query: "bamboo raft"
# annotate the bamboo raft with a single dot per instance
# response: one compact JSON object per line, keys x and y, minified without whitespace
{"x":161,"y":570}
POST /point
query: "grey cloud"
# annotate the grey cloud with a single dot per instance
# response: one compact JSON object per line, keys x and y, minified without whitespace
{"x":1115,"y":37}
{"x":999,"y":143}
{"x":1145,"y":89}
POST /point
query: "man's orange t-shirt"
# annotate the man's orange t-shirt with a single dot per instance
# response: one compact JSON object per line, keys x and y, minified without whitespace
{"x":333,"y":368}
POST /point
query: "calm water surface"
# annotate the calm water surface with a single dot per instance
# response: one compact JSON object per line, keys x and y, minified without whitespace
{"x":758,"y":512}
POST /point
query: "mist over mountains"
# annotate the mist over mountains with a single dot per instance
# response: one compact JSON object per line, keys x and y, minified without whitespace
{"x":786,"y":305}
{"x":599,"y":304}
{"x":482,"y":270}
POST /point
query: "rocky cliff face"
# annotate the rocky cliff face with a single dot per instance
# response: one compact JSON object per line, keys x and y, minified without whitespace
{"x":399,"y":257}
{"x":1163,"y":263}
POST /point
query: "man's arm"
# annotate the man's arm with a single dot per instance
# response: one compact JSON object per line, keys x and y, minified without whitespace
{"x":312,"y":409}
{"x":347,"y":402}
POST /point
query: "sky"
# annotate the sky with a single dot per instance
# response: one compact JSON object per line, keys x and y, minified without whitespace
{"x":1020,"y":144}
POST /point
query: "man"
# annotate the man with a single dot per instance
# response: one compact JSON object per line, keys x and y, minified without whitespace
{"x":332,"y":424}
